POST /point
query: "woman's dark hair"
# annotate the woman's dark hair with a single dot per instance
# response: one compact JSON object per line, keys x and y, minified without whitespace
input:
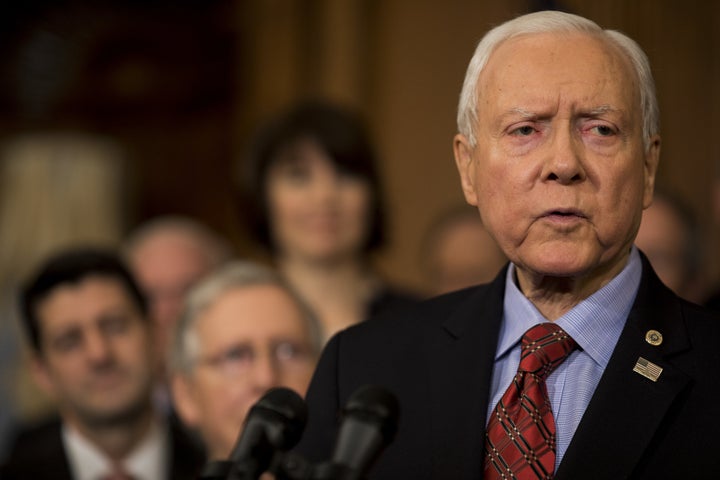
{"x":340,"y":133}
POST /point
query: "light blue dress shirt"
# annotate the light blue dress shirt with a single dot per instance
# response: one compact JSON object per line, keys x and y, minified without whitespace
{"x":595,"y":324}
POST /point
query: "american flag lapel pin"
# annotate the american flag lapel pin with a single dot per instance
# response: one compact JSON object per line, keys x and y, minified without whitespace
{"x":647,"y":369}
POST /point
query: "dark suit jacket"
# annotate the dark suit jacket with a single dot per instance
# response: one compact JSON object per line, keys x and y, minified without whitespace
{"x":437,"y":357}
{"x":39,"y":454}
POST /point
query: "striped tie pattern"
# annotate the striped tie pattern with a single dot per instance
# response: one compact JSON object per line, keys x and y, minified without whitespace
{"x":520,"y":436}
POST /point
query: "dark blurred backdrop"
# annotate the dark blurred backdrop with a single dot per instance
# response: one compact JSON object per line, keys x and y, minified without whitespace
{"x":181,"y":85}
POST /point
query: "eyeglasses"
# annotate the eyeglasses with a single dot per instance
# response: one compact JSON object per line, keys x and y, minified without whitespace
{"x":239,"y":359}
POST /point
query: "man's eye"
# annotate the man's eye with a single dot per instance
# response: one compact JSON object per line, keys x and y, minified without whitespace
{"x":523,"y":131}
{"x":603,"y":130}
{"x":67,"y":342}
{"x":288,"y":351}
{"x":238,"y":354}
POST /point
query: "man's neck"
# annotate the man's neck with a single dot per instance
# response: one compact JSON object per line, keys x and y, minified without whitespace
{"x":554,"y":296}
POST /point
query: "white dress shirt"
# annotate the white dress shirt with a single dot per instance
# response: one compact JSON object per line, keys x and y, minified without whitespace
{"x":147,"y":461}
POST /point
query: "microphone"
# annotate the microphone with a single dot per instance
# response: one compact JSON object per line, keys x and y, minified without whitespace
{"x":369,"y":423}
{"x":275,"y":422}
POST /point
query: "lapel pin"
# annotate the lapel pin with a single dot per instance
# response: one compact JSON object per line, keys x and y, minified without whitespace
{"x":653,"y":337}
{"x":647,"y":369}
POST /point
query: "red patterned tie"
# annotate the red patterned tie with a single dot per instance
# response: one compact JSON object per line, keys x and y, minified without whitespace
{"x":520,"y":436}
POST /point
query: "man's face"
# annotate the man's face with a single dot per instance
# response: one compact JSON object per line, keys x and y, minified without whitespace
{"x":96,"y":352}
{"x":662,"y":237}
{"x":166,"y":266}
{"x":251,"y":339}
{"x":457,"y":266}
{"x":560,"y":174}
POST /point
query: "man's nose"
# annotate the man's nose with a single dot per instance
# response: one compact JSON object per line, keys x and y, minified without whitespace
{"x":265,"y":371}
{"x":565,"y":158}
{"x":97,"y":347}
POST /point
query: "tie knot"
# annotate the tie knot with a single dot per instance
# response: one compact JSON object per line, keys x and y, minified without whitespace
{"x":544,"y":347}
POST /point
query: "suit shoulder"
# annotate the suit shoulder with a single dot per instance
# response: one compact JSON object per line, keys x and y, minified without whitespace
{"x":36,"y":451}
{"x":37,"y":434}
{"x":415,"y":316}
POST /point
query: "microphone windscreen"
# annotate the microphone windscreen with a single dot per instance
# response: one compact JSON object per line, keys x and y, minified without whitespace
{"x":289,"y":409}
{"x":369,"y":423}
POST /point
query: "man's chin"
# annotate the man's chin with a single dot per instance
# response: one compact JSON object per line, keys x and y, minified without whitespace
{"x":106,"y":416}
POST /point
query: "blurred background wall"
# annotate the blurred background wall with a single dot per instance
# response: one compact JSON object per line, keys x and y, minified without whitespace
{"x":181,"y":85}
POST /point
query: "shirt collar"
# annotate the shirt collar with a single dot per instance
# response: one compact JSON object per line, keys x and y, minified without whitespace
{"x":595,"y":323}
{"x":147,"y":461}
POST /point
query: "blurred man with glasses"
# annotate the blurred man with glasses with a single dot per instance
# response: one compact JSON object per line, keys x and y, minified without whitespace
{"x":242,"y":332}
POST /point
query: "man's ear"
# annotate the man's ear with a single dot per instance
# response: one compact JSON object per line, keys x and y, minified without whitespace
{"x":184,"y":401}
{"x":465,"y":165}
{"x":652,"y":159}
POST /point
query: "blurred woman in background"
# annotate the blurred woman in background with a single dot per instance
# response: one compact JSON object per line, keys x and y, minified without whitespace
{"x":315,"y":202}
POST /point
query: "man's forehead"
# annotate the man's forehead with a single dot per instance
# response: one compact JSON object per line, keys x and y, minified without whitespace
{"x":542,"y":66}
{"x":543,"y":50}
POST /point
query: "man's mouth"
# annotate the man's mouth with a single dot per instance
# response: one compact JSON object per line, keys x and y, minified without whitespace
{"x":564,"y":212}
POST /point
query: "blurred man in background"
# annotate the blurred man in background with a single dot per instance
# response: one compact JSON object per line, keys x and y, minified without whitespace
{"x":670,"y":237}
{"x":458,"y":252}
{"x":92,"y":342}
{"x":167,"y":256}
{"x":243,"y":331}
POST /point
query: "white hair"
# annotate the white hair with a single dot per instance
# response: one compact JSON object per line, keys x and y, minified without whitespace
{"x":555,"y":22}
{"x":185,"y":345}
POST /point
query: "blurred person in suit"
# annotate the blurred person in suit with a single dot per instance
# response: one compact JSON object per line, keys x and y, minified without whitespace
{"x":670,"y":237}
{"x":86,"y":321}
{"x":313,"y":198}
{"x":576,"y":361}
{"x":242,"y":332}
{"x":448,"y":261}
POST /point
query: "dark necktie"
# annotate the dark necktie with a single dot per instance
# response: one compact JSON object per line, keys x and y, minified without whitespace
{"x":520,"y":436}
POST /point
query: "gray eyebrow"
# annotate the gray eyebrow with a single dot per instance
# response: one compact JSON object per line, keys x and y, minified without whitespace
{"x":522,"y":112}
{"x":602,"y":109}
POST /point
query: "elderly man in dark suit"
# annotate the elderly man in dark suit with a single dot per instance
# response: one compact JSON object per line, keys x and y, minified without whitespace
{"x":92,"y":348}
{"x":576,"y":362}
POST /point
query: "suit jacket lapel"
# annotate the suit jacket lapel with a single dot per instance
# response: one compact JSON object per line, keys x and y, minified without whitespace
{"x":627,"y":408}
{"x":461,"y":362}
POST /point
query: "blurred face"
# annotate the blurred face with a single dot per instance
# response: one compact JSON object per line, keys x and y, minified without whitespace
{"x":560,"y":174}
{"x":166,"y":266}
{"x":96,"y":348}
{"x":317,"y":212}
{"x":662,"y":238}
{"x":465,"y":255}
{"x":251,"y":339}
